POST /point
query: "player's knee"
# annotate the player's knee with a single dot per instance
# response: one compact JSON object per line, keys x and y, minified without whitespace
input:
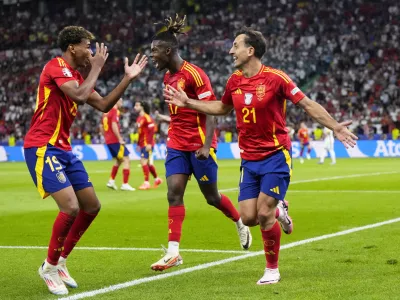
{"x":174,"y":198}
{"x":266,"y":216}
{"x":71,"y":209}
{"x":93,"y":209}
{"x":249,"y":220}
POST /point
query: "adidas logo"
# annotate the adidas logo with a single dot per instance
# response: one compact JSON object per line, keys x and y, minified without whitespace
{"x":275,"y":190}
{"x":204,"y":178}
{"x":270,"y":252}
{"x":238,"y":92}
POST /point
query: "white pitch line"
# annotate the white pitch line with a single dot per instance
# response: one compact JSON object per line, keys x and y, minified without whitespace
{"x":327,"y":178}
{"x":345,"y":191}
{"x":127,"y":284}
{"x":129,"y":249}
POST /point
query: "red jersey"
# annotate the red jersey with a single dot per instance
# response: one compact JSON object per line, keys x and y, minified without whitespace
{"x":145,"y":126}
{"x":260,"y":106}
{"x":55,"y":111}
{"x":108,"y":118}
{"x":187,"y":130}
{"x":303,"y":135}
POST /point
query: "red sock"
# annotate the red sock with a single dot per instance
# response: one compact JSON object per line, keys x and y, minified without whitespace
{"x":272,"y":242}
{"x":153,"y":171}
{"x":176,"y":215}
{"x":61,"y":227}
{"x":228,"y":209}
{"x":114,"y":172}
{"x":125,"y":173}
{"x":82,"y":222}
{"x":146,"y":172}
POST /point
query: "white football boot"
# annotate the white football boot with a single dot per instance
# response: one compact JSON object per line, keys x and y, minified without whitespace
{"x":111,"y":185}
{"x":284,"y":219}
{"x":64,"y":274}
{"x":270,"y":276}
{"x":49,"y":274}
{"x":244,"y":235}
{"x":127,"y":187}
{"x":169,"y":260}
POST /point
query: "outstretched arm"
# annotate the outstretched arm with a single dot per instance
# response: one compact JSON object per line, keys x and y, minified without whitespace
{"x":319,"y":114}
{"x":180,"y":99}
{"x":104,"y":104}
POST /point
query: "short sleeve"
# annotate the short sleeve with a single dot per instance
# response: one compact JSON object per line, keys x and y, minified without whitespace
{"x":227,"y":96}
{"x":287,"y":88}
{"x":203,"y":88}
{"x":60,"y":74}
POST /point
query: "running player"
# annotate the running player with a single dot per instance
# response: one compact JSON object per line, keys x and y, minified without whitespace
{"x":145,"y":125}
{"x":191,"y":143}
{"x":55,"y":170}
{"x":111,"y":130}
{"x":258,"y":94}
{"x":304,"y":141}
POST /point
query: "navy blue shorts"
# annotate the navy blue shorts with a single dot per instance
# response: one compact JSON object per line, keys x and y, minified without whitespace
{"x":270,"y":176}
{"x":185,"y":162}
{"x":53,"y":169}
{"x":147,"y":154}
{"x":118,"y":151}
{"x":305,"y":145}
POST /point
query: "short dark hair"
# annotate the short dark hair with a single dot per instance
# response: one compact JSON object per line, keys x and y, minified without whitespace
{"x":72,"y":35}
{"x":169,"y":31}
{"x":146,"y":106}
{"x":254,"y":39}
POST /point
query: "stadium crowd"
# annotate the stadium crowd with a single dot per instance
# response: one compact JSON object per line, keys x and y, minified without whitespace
{"x":344,"y":54}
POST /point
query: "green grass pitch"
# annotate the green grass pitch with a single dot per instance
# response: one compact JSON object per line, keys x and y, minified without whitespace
{"x":323,"y":200}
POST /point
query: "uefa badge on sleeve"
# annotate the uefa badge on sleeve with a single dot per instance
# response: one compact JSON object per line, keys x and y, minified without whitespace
{"x":248,"y":97}
{"x":61,"y":177}
{"x":67,"y":72}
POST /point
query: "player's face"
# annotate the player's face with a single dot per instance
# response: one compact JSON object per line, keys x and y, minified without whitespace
{"x":240,"y":51}
{"x":159,"y":55}
{"x":138,"y":107}
{"x":81,"y":53}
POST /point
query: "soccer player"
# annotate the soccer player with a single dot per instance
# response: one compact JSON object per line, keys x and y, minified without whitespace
{"x":258,"y":94}
{"x":191,"y":143}
{"x":55,"y":170}
{"x":111,"y":130}
{"x":329,"y":142}
{"x":304,"y":141}
{"x":145,"y":125}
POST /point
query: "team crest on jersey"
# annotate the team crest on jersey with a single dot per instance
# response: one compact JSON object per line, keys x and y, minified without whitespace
{"x":61,"y":177}
{"x":67,"y":72}
{"x":181,"y":83}
{"x":260,"y":91}
{"x":248,"y":97}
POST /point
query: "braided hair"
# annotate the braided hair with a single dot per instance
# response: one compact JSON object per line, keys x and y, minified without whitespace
{"x":170,"y":30}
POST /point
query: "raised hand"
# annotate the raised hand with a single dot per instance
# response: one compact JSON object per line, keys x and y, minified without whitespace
{"x":175,"y":97}
{"x":99,"y":58}
{"x":133,"y":71}
{"x":344,"y":135}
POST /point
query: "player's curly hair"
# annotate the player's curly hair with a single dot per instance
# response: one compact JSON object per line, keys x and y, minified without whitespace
{"x":170,"y":30}
{"x":72,"y":35}
{"x":254,"y":39}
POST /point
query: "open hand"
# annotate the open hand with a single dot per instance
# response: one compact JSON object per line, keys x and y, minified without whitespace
{"x":100,"y":57}
{"x":132,"y":71}
{"x":175,"y":97}
{"x":344,"y":135}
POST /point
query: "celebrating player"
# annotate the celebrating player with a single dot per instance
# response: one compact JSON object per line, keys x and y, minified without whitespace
{"x":329,"y":142}
{"x":258,"y":93}
{"x":191,"y":143}
{"x":304,"y":141}
{"x":111,"y":129}
{"x":145,"y":126}
{"x":55,"y":170}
